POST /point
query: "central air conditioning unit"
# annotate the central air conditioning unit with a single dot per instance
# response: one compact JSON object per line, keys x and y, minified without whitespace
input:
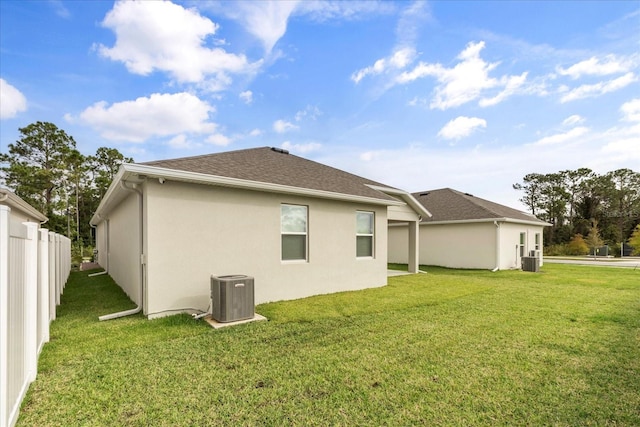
{"x":530,"y":263}
{"x":232,"y":298}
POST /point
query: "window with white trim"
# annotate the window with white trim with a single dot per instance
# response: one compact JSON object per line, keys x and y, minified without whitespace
{"x":523,"y":237}
{"x":364,"y":234}
{"x":293,"y":230}
{"x":538,"y":241}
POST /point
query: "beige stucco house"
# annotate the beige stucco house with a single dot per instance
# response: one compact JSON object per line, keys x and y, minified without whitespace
{"x":298,"y":227}
{"x":469,"y":232}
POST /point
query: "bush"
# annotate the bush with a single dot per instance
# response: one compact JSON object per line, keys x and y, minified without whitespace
{"x":555,"y":250}
{"x":577,"y":246}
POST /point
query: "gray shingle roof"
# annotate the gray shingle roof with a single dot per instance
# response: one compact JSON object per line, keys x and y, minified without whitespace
{"x":446,"y":204}
{"x":273,"y":166}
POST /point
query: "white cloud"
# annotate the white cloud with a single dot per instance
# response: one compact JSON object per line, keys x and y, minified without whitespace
{"x":488,"y":171}
{"x":143,"y":118}
{"x":282,"y":126}
{"x":160,"y":35}
{"x":312,"y":112}
{"x":322,"y":11}
{"x":466,"y":81}
{"x":410,"y":21}
{"x":595,"y":67}
{"x":246,"y":97}
{"x":564,"y":137}
{"x":397,"y":60}
{"x":266,"y":20}
{"x":255,"y":132}
{"x":631,"y":110}
{"x":573,"y":120}
{"x":511,"y":84}
{"x":219,"y":139}
{"x":597,"y":89}
{"x":59,"y":8}
{"x":12,"y":101}
{"x":301,"y":148}
{"x":181,"y":142}
{"x":461,"y":127}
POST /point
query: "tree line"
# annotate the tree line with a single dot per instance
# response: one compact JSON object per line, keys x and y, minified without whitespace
{"x":604,"y":208}
{"x":45,"y":168}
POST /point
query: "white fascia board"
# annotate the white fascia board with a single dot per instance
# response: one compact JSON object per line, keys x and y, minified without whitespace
{"x":16,"y":202}
{"x":131,"y":170}
{"x":407,"y":197}
{"x":472,"y":221}
{"x":108,"y":197}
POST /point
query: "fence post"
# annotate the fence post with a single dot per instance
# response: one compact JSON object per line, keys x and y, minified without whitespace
{"x":43,"y":288}
{"x":56,"y":250}
{"x":4,"y":314}
{"x":31,"y":300}
{"x":52,"y":277}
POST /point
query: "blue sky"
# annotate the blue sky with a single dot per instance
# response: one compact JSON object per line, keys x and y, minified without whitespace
{"x":471,"y":95}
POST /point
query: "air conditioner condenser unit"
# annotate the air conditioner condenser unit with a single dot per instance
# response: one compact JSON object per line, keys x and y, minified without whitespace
{"x":232,"y":298}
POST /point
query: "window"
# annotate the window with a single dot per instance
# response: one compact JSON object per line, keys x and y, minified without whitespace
{"x":522,"y":240}
{"x":537,"y":241}
{"x":364,"y":234}
{"x":293,"y":229}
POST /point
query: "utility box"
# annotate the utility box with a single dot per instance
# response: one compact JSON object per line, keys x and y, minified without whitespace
{"x":232,"y":298}
{"x":530,"y":263}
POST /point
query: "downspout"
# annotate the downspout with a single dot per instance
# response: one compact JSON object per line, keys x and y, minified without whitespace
{"x":138,"y":309}
{"x":497,"y":224}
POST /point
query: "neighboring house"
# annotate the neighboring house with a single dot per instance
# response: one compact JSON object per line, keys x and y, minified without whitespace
{"x":469,"y":232}
{"x":298,"y":227}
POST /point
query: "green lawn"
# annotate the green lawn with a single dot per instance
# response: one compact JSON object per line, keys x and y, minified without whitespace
{"x":446,"y":348}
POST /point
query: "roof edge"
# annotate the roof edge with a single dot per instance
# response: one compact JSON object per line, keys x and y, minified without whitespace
{"x":129,"y":170}
{"x":406,"y":196}
{"x":16,"y":201}
{"x":505,"y":219}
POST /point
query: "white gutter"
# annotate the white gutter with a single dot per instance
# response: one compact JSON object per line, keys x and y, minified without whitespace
{"x":471,"y":221}
{"x":17,"y":202}
{"x":138,"y":308}
{"x":407,"y":197}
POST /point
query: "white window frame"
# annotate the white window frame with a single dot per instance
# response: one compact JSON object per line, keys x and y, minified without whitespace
{"x":295,"y":233}
{"x":372,"y":235}
{"x":537,"y":241}
{"x":523,"y":241}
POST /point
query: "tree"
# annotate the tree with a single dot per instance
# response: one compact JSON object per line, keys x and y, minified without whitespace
{"x":45,"y":169}
{"x":36,"y":164}
{"x":624,"y":200}
{"x":104,"y":166}
{"x":572,"y":199}
{"x":532,"y":186}
{"x":593,"y":240}
{"x":634,"y":240}
{"x":577,"y":246}
{"x":576,"y":184}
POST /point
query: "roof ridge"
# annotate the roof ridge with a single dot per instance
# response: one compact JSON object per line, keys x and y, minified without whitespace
{"x":467,"y":206}
{"x":200,"y":156}
{"x":472,"y":199}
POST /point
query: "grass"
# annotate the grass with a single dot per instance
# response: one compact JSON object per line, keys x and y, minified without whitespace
{"x":447,"y":348}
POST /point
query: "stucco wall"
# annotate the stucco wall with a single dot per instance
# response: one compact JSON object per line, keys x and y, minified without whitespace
{"x":451,"y":245}
{"x":101,"y":244}
{"x":124,"y":246}
{"x":510,"y":242}
{"x":195,"y":231}
{"x":470,"y":245}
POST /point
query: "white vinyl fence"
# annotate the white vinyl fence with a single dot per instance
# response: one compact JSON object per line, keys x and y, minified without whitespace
{"x":34,"y":267}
